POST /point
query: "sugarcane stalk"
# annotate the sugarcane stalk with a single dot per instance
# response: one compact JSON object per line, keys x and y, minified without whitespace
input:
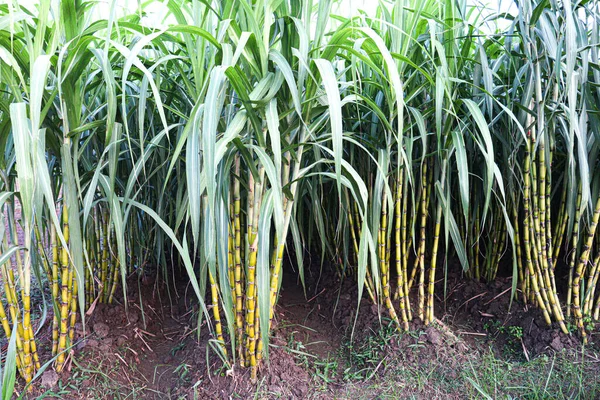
{"x":105,"y":260}
{"x":405,"y":248}
{"x":591,"y":285}
{"x":238,"y":254}
{"x":11,"y":297}
{"x":583,"y":260}
{"x":24,"y":273}
{"x":544,"y":240}
{"x":526,"y":232}
{"x":436,"y":238}
{"x":64,"y":297}
{"x":7,"y":333}
{"x":574,"y":241}
{"x":383,"y":265}
{"x":216,"y":313}
{"x":421,"y":255}
{"x":399,"y":256}
{"x":115,"y":271}
{"x":353,"y":227}
{"x":251,"y":276}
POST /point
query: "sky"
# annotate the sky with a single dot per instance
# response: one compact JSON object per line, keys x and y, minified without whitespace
{"x":344,"y":7}
{"x":370,"y":5}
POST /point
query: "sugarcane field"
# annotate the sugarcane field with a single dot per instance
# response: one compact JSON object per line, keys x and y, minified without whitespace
{"x":300,"y":199}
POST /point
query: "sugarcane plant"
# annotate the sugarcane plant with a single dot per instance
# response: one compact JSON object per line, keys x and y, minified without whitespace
{"x":395,"y":144}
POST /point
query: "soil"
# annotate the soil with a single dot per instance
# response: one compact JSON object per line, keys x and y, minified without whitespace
{"x":158,"y":353}
{"x":477,"y":308}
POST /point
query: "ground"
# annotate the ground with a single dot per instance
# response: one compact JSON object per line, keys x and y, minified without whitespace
{"x":477,"y":348}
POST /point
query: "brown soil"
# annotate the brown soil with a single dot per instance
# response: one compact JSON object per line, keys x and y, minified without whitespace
{"x":158,"y":354}
{"x":484,"y":311}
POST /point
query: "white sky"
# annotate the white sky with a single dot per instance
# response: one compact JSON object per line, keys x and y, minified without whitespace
{"x":155,"y":11}
{"x":370,"y":5}
{"x":344,"y":7}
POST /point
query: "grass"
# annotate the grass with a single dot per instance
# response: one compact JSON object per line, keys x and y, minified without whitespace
{"x":101,"y":378}
{"x":557,"y":376}
{"x":374,"y":368}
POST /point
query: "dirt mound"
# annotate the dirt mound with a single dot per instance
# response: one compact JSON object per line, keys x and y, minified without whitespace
{"x":481,"y":310}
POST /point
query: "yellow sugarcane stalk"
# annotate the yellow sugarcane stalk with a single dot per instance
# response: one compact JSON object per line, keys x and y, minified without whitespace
{"x":274,"y":281}
{"x":112,"y":267}
{"x":436,"y":239}
{"x":543,"y":239}
{"x":73,"y":306}
{"x":105,"y":260}
{"x":231,"y":249}
{"x":13,"y":307}
{"x":421,"y":301}
{"x":115,"y":273}
{"x":352,"y":226}
{"x":7,"y":325}
{"x":259,"y":343}
{"x":7,"y":333}
{"x":535,"y":232}
{"x":523,"y":278}
{"x":591,"y":285}
{"x":597,"y":308}
{"x":24,"y":273}
{"x":251,"y":276}
{"x":430,"y":299}
{"x":405,"y":247}
{"x":55,"y":285}
{"x":216,"y":314}
{"x":383,"y":263}
{"x":399,"y":293}
{"x":64,"y":298}
{"x":574,"y":240}
{"x":583,"y":260}
{"x":238,"y":257}
{"x":526,"y":238}
{"x":99,"y":251}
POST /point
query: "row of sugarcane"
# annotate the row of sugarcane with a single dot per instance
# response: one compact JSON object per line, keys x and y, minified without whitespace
{"x":405,"y":52}
{"x":403,"y":226}
{"x":61,"y":277}
{"x":102,"y":274}
{"x":100,"y":284}
{"x":540,"y":227}
{"x":19,"y":312}
{"x":245,"y":208}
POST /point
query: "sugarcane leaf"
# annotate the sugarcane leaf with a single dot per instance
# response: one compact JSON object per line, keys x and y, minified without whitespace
{"x":453,"y":228}
{"x":262,"y":267}
{"x":462,"y":167}
{"x":335,"y":114}
{"x":25,"y":171}
{"x":277,"y":192}
{"x":487,"y":148}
